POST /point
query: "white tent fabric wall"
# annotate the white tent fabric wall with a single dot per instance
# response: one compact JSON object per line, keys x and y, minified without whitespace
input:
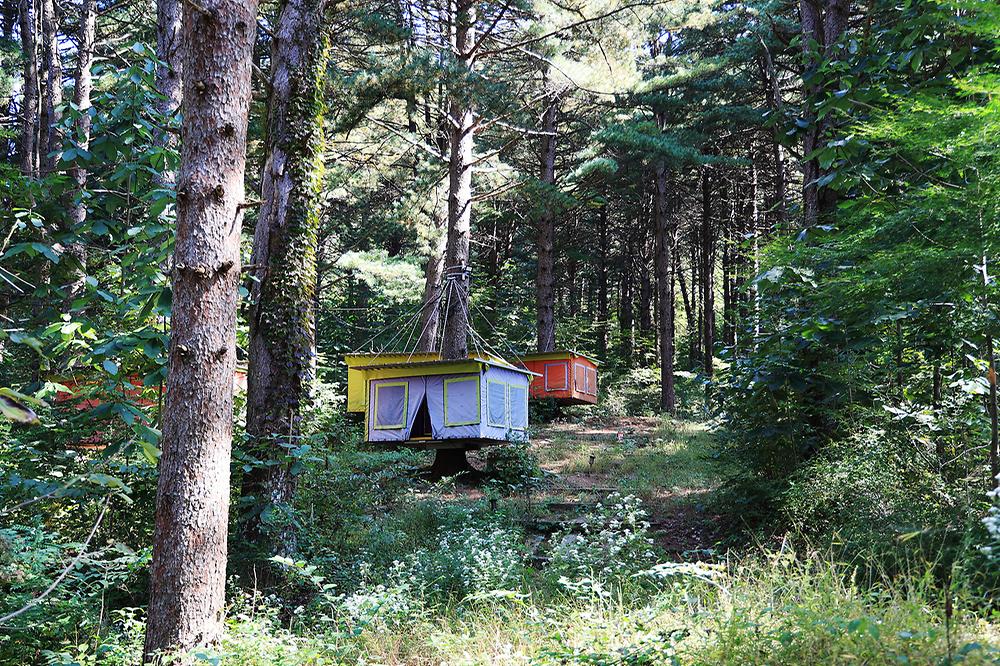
{"x":389,"y":402}
{"x":462,"y":406}
{"x":491,"y":405}
{"x":515,"y":410}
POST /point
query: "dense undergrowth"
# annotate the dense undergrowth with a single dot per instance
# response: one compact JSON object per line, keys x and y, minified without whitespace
{"x":396,"y":570}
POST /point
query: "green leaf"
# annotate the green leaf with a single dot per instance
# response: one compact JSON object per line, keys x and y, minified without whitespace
{"x":15,"y":409}
{"x":106,"y":480}
{"x":110,"y":366}
{"x":151,"y":453}
{"x":46,"y":251}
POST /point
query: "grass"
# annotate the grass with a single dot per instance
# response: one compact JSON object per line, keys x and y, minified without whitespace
{"x":671,"y":455}
{"x":764,"y":607}
{"x":777,"y":608}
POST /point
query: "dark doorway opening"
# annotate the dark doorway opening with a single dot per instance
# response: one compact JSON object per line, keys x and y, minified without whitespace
{"x":422,"y":422}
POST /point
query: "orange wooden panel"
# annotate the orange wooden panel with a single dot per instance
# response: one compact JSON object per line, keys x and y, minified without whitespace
{"x":573,"y":380}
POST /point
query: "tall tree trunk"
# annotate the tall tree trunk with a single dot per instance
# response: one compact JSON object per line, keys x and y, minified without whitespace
{"x":695,"y":323}
{"x":430,"y":316}
{"x":780,"y":188}
{"x":707,"y":272}
{"x":664,"y":277}
{"x":282,"y":333}
{"x":545,"y":278}
{"x":455,"y":343}
{"x":169,"y":72}
{"x":645,"y":299}
{"x":9,"y":12}
{"x":572,"y":288}
{"x":51,"y":134}
{"x":29,"y":96}
{"x":823,"y":23}
{"x":626,"y":312}
{"x":991,"y":408}
{"x":77,"y":249}
{"x":603,"y":316}
{"x":188,"y":573}
{"x":689,"y":313}
{"x":455,"y":336}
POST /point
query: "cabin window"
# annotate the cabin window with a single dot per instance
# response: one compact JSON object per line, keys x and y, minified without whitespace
{"x":555,"y":377}
{"x":391,"y":405}
{"x":496,"y":403}
{"x":461,"y":401}
{"x":580,"y":377}
{"x":591,"y":381}
{"x":518,"y":398}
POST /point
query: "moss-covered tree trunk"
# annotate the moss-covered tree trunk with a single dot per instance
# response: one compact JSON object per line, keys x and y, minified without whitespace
{"x":188,"y":572}
{"x":282,"y":317}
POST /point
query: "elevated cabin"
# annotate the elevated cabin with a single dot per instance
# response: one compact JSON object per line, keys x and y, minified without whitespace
{"x":465,"y":403}
{"x":566,"y":376}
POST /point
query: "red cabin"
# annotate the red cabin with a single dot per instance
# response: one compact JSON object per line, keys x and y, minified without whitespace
{"x":568,"y":377}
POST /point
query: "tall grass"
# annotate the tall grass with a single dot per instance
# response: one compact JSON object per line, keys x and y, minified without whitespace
{"x":781,"y":608}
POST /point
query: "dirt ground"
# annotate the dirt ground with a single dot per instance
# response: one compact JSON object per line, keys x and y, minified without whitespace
{"x":667,"y":465}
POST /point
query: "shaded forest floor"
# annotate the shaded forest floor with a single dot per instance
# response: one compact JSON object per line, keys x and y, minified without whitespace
{"x":671,"y":465}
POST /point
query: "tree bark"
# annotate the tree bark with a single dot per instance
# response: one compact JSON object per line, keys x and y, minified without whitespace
{"x":82,"y":89}
{"x":188,"y":573}
{"x":823,"y":23}
{"x":602,"y":283}
{"x":169,"y":72}
{"x":51,"y":133}
{"x":994,"y":481}
{"x":430,"y":317}
{"x":626,"y":312}
{"x":461,"y":123}
{"x":690,"y":315}
{"x":29,"y":101}
{"x":707,"y":272}
{"x":645,"y":295}
{"x":664,"y":278}
{"x":695,"y":324}
{"x":9,"y":13}
{"x":455,"y":342}
{"x":545,"y":278}
{"x":282,"y":318}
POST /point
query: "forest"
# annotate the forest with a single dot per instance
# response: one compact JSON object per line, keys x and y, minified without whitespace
{"x":508,"y":332}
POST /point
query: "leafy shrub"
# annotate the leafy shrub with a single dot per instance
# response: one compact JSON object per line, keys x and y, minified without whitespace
{"x":612,"y":543}
{"x":513,"y":466}
{"x":866,"y":489}
{"x":30,"y":560}
{"x":635,"y":393}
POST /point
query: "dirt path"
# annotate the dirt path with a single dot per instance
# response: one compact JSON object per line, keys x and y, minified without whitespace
{"x":668,"y":464}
